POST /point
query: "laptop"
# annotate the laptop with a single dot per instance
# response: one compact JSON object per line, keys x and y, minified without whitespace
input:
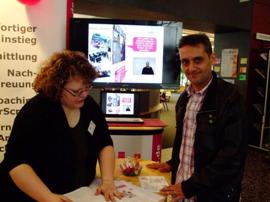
{"x":120,"y":107}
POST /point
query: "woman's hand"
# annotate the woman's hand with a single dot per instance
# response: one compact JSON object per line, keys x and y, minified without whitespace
{"x":109,"y":191}
{"x":57,"y":198}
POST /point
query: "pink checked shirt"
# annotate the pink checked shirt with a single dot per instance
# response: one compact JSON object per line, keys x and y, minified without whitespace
{"x":186,"y":153}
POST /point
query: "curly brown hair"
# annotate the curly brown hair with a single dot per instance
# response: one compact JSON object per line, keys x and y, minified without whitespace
{"x":56,"y":71}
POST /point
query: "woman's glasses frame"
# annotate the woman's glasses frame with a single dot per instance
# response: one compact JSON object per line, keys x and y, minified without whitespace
{"x":78,"y":93}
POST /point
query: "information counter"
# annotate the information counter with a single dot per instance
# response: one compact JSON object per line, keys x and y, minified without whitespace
{"x":138,"y":138}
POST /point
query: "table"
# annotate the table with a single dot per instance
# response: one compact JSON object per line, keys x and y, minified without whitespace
{"x":144,"y":138}
{"x":135,"y":179}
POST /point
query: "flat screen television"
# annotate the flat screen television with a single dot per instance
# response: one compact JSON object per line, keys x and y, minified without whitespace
{"x":128,"y":53}
{"x":114,"y":103}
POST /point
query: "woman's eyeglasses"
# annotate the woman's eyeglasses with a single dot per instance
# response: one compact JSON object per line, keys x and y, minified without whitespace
{"x":78,"y":93}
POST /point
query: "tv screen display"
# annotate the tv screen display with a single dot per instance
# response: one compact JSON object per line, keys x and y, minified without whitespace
{"x":119,"y":103}
{"x":128,"y":54}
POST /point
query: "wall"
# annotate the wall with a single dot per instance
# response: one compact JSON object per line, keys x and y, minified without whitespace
{"x":239,"y":40}
{"x":28,"y":35}
{"x":208,"y":15}
{"x":260,"y":21}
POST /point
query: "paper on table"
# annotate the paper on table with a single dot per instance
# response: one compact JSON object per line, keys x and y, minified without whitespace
{"x":153,"y":183}
{"x":84,"y":194}
{"x":134,"y":193}
{"x":131,"y":192}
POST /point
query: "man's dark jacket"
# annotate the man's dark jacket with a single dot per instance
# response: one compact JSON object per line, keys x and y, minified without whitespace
{"x":219,"y":146}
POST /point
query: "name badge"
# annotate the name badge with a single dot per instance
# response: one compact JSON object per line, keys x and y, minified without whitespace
{"x":91,"y":127}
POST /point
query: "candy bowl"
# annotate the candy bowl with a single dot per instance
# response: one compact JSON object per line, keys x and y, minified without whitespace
{"x":130,"y":167}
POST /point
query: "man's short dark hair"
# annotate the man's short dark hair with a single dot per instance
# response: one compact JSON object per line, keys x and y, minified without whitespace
{"x":195,"y":39}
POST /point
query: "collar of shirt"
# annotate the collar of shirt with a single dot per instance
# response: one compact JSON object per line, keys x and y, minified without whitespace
{"x":191,"y":91}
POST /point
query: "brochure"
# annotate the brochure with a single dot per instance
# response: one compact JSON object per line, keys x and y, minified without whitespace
{"x":153,"y":183}
{"x":131,"y":192}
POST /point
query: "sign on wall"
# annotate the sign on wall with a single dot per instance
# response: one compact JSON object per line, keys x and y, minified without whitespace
{"x":28,"y":35}
{"x":229,"y":59}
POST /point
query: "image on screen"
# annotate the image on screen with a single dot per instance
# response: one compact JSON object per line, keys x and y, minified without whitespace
{"x":129,"y":53}
{"x":120,"y":104}
{"x":126,"y":53}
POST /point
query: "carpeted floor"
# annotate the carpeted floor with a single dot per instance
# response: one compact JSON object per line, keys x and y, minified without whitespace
{"x":256,"y":181}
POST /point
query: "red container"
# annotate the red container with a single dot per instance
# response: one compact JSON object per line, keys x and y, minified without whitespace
{"x":121,"y":154}
{"x":137,"y":155}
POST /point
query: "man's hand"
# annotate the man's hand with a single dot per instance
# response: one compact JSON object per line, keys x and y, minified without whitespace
{"x":162,"y":167}
{"x":109,"y":191}
{"x":174,"y":190}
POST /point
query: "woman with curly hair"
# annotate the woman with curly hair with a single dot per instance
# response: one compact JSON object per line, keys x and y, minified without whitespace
{"x":58,"y":136}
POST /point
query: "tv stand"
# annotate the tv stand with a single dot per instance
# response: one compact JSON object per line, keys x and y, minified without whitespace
{"x":144,"y":138}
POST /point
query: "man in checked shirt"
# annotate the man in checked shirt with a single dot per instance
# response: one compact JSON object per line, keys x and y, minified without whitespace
{"x":210,"y":144}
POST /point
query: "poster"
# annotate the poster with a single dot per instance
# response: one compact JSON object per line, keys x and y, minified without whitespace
{"x":229,"y":59}
{"x":28,"y":35}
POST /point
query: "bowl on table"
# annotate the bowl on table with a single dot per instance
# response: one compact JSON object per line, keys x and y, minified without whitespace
{"x":130,"y":167}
